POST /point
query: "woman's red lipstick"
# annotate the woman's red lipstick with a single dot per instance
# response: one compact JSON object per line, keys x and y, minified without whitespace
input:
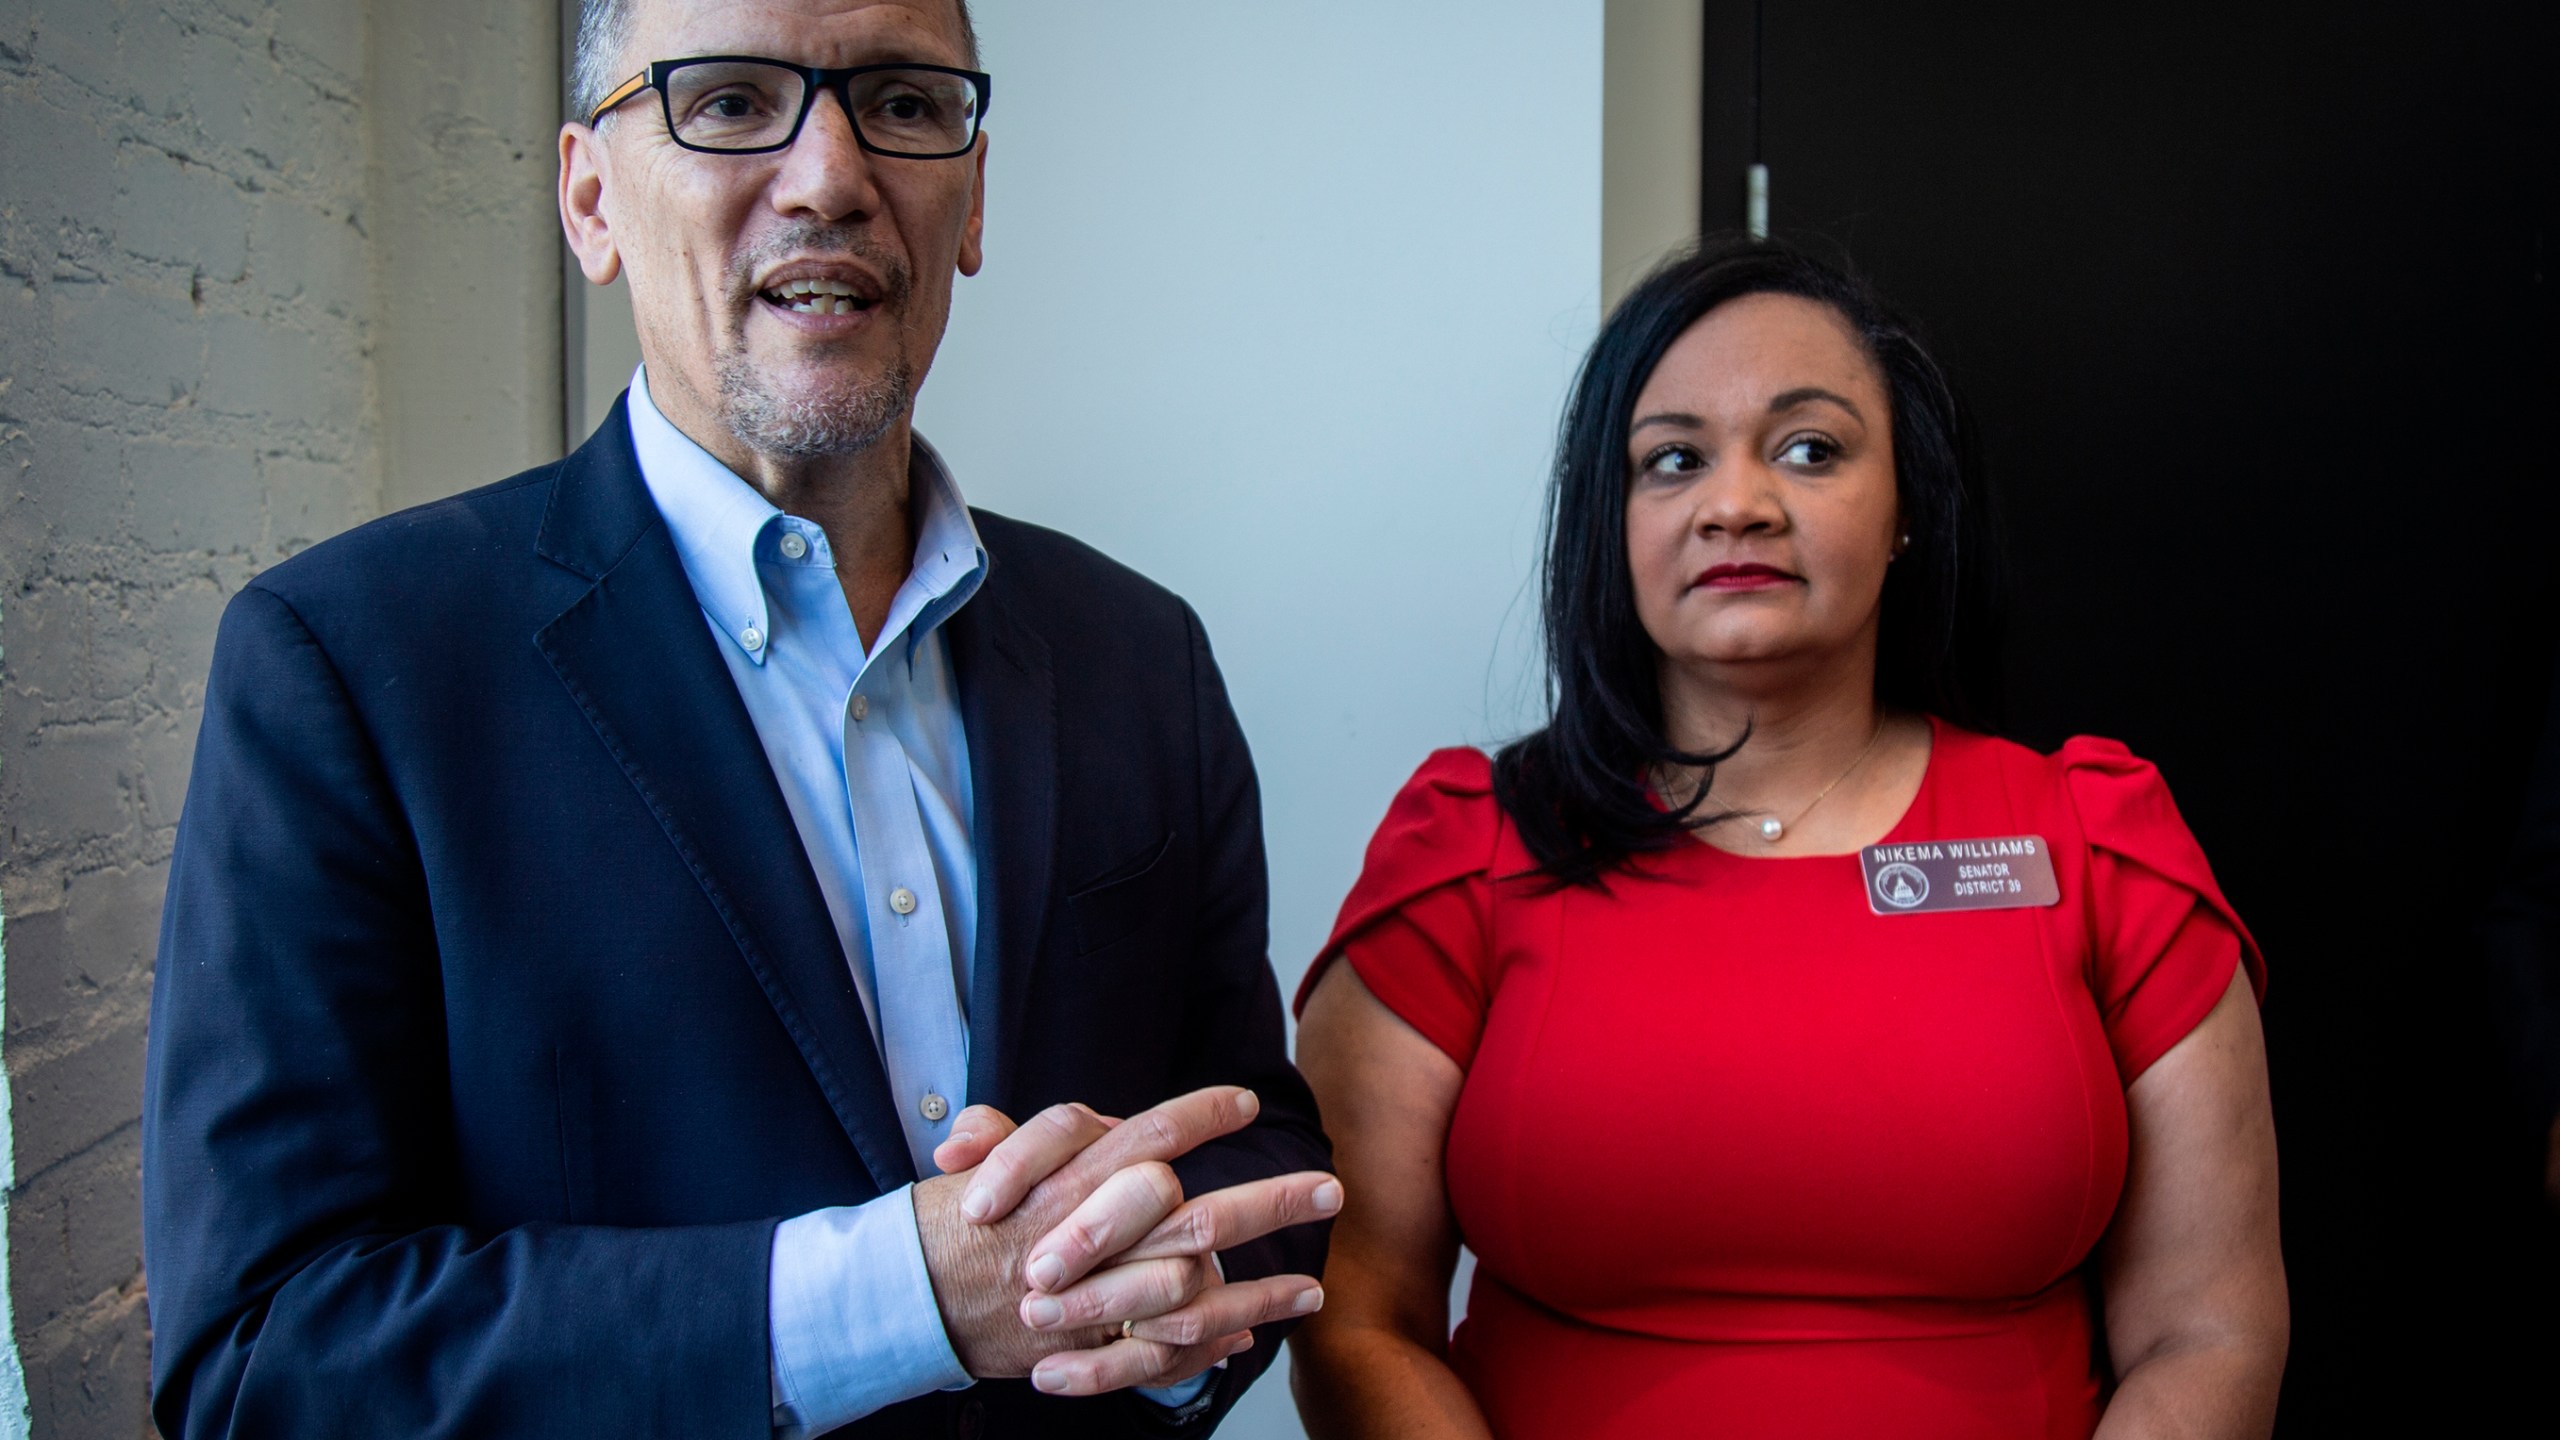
{"x":1730,"y":577}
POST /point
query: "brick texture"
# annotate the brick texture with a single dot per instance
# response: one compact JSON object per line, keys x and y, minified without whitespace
{"x":264,"y":265}
{"x":185,"y":313}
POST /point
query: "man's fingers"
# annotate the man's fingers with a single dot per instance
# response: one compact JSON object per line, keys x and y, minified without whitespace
{"x":1173,"y":1128}
{"x":1026,"y":1157}
{"x":1124,"y":1363}
{"x":1226,"y":1309}
{"x":975,"y":1132}
{"x":1120,"y":1212}
{"x":1122,"y":1292}
{"x":1224,"y":1219}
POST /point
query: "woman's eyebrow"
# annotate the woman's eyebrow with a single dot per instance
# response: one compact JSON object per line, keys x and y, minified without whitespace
{"x":1680,"y":418}
{"x":1790,"y":399}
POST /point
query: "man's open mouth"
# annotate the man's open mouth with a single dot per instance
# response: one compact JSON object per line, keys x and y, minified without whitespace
{"x":819,"y":297}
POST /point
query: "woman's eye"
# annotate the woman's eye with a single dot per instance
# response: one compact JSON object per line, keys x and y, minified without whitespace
{"x":1809,"y":450}
{"x":1673,"y":460}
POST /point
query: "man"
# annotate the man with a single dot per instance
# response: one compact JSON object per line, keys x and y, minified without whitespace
{"x":598,"y":893}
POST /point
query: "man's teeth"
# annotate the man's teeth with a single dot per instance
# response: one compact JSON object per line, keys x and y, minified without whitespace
{"x":817,"y":297}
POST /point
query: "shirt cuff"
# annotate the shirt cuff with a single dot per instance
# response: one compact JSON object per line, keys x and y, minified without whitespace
{"x":1177,"y":1397}
{"x":854,"y":1324}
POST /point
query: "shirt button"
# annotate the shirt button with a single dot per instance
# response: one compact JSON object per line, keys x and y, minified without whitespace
{"x":861,"y":707}
{"x":793,"y":547}
{"x":933,"y":1107}
{"x":752,"y":638}
{"x":903,"y":900}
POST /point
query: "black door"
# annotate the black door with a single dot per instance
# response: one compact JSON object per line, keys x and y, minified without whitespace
{"x":2254,"y":305}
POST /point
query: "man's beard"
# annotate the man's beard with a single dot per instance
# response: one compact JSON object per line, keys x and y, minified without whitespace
{"x":846,"y":416}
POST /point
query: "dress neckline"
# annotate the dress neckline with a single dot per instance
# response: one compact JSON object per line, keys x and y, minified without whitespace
{"x":1910,"y":816}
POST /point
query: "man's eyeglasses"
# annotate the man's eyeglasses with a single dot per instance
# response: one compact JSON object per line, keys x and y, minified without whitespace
{"x":748,"y":105}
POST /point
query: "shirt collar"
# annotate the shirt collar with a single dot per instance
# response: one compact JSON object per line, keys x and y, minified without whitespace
{"x":717,"y":520}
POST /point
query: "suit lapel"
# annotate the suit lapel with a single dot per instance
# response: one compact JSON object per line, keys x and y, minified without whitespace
{"x":1009,"y":707}
{"x":637,"y":657}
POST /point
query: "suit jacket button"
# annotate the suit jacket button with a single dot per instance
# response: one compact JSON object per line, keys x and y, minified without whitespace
{"x":970,"y":1421}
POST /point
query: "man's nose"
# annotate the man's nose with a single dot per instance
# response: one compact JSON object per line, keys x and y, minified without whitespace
{"x":826,"y":172}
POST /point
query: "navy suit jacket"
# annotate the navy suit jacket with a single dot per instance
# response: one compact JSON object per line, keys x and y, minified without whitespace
{"x":499,"y":1016}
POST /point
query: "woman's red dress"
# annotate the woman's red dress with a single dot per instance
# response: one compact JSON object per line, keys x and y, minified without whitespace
{"x":1740,"y":1158}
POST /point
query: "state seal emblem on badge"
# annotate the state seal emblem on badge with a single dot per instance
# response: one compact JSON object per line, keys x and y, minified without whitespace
{"x":1902,"y":886}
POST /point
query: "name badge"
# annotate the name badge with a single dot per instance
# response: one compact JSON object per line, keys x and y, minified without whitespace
{"x":2006,"y":873}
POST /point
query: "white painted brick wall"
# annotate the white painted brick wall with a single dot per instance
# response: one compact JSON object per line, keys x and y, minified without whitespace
{"x":184,"y":303}
{"x":196,"y":299}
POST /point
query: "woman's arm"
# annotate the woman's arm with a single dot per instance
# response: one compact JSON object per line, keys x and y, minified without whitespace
{"x":1374,"y":1361}
{"x":2192,"y":1275}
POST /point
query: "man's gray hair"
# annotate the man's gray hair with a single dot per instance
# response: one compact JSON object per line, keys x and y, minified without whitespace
{"x":604,"y":27}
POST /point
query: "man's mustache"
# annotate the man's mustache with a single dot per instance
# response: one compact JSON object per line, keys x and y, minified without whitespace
{"x":809,"y":239}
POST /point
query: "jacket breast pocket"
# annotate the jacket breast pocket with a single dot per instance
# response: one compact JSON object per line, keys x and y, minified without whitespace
{"x":1121,"y":900}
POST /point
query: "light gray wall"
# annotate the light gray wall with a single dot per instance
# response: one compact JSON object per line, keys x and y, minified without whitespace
{"x":462,"y":103}
{"x":1279,"y":307}
{"x":1650,"y":129}
{"x":225,"y":227}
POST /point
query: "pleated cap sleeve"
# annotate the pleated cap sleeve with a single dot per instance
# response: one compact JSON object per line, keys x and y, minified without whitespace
{"x":1415,"y":924}
{"x":2164,"y":940}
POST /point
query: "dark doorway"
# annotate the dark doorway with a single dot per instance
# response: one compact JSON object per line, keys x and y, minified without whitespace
{"x":2254,"y":305}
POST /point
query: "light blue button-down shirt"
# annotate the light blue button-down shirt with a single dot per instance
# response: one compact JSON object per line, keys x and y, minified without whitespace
{"x":873,"y":762}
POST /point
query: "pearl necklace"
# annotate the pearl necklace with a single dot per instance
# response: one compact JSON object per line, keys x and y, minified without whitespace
{"x":1772,"y":828}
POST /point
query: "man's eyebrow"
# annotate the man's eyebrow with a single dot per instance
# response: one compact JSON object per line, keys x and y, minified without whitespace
{"x":1680,"y":418}
{"x":1789,"y":399}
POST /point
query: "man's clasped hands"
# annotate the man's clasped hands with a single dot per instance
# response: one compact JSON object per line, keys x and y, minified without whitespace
{"x":1042,"y":1239}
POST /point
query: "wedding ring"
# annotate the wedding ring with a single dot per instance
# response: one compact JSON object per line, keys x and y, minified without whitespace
{"x":1128,"y":1329}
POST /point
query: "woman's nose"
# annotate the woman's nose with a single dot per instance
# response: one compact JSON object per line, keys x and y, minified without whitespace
{"x":1738,"y":497}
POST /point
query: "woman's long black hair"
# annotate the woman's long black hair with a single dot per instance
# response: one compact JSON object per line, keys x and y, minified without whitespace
{"x":1580,"y":789}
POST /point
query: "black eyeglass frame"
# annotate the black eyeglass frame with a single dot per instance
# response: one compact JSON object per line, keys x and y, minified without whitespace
{"x":815,"y":80}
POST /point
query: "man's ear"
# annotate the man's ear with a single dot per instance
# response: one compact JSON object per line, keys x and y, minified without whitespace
{"x":583,"y":164}
{"x":973,"y":253}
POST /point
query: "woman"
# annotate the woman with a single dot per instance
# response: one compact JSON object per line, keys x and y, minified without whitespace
{"x":1797,"y":1062}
